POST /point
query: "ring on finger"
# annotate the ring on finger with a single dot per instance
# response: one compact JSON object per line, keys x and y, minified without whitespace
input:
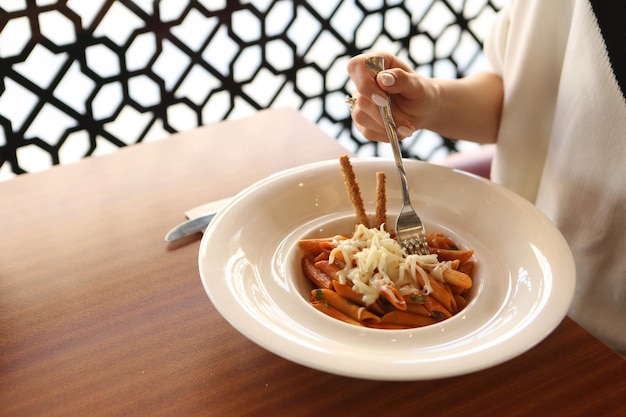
{"x":351,"y":101}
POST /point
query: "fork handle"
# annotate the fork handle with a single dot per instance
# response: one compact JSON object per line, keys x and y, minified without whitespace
{"x":375,"y":65}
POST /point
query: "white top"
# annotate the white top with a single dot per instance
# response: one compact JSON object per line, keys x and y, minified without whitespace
{"x":561,"y":143}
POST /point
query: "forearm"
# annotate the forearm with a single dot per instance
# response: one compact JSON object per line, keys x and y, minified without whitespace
{"x":468,"y":108}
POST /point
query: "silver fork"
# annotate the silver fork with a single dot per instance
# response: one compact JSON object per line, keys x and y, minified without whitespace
{"x":409,"y":228}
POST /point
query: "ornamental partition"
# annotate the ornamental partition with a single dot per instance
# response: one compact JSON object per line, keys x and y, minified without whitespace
{"x":85,"y":77}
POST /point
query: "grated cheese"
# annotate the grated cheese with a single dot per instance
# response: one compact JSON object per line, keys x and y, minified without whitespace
{"x":374,"y":259}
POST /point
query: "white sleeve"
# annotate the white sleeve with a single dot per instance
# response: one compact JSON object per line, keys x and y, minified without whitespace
{"x":495,"y":44}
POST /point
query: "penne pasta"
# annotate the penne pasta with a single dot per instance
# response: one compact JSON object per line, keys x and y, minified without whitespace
{"x":461,"y":302}
{"x":438,"y":240}
{"x":438,"y":292}
{"x":316,"y":245}
{"x":350,"y":309}
{"x":391,"y":294}
{"x":467,"y":267}
{"x":407,"y":319}
{"x":348,"y":293}
{"x":330,"y":269}
{"x":457,"y":278}
{"x":452,"y":254}
{"x":334,"y":313}
{"x":337,"y":297}
{"x":436,"y":309}
{"x":317,"y":277}
{"x":415,"y":306}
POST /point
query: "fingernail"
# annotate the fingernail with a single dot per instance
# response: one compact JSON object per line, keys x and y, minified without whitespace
{"x":404,"y":131}
{"x":378,"y":100}
{"x":387,"y":79}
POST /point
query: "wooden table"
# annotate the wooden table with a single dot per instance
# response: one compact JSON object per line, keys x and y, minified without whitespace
{"x":99,"y":317}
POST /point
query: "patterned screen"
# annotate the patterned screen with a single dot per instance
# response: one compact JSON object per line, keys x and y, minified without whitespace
{"x":85,"y":77}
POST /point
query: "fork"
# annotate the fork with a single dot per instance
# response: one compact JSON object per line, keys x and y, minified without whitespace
{"x":409,"y":228}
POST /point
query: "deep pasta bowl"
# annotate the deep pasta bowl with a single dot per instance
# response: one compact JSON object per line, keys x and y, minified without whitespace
{"x":249,"y":263}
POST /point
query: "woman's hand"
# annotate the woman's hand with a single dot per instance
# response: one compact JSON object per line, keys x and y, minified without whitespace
{"x":413,"y":98}
{"x":467,"y":108}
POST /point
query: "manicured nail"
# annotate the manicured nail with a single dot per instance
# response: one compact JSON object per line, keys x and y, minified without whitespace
{"x":387,"y":79}
{"x":404,"y":131}
{"x":378,"y":100}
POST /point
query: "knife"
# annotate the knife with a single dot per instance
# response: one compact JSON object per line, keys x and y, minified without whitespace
{"x":199,"y":218}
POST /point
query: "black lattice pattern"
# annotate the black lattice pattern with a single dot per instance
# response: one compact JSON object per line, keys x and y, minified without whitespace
{"x":81,"y":78}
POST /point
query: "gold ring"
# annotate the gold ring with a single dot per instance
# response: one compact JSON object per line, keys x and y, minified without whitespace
{"x":351,"y":102}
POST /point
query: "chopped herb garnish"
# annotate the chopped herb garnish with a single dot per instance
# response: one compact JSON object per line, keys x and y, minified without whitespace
{"x":418,"y":299}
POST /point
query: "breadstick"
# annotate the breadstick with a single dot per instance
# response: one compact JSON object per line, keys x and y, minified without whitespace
{"x":352,"y":186}
{"x":381,"y":199}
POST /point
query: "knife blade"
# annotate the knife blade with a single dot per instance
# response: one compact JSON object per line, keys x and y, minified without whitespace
{"x":197,"y":222}
{"x":189,"y":227}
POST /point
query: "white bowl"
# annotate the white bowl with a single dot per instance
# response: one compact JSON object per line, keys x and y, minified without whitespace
{"x":250,"y":267}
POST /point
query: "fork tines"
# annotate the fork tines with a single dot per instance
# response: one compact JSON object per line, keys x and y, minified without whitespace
{"x":415,"y":247}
